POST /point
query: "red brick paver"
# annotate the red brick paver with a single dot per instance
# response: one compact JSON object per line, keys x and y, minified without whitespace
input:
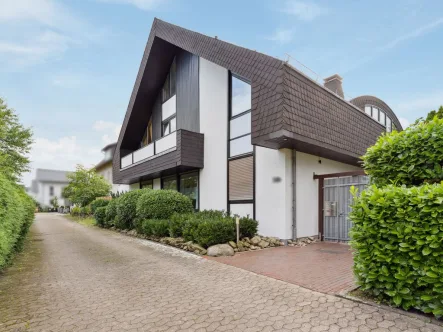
{"x":324,"y":267}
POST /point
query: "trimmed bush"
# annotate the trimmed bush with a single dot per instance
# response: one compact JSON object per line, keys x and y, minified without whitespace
{"x":177,"y":223}
{"x":76,"y":211}
{"x":398,"y":252}
{"x":126,"y":208}
{"x":409,"y":157}
{"x":16,"y":216}
{"x":154,"y":227}
{"x":209,"y":232}
{"x":248,"y":227}
{"x":98,"y":203}
{"x":162,"y":204}
{"x":111,"y":212}
{"x":100,"y":216}
{"x":85,"y":211}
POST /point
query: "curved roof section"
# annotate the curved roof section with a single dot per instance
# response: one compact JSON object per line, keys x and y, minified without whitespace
{"x":362,"y":101}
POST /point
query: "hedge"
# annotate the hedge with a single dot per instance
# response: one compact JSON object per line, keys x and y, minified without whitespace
{"x":409,"y":157}
{"x":398,"y":252}
{"x":126,"y":208}
{"x":99,"y":202}
{"x":162,"y":204}
{"x":16,"y":216}
{"x":76,"y":211}
{"x":154,"y":227}
{"x":111,"y":212}
{"x":100,"y":216}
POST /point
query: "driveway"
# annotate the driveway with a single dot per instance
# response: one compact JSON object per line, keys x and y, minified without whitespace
{"x":74,"y":278}
{"x":324,"y":267}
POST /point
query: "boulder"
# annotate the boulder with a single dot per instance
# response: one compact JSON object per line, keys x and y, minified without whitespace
{"x":220,"y":250}
{"x":263,"y":244}
{"x":240,"y":246}
{"x":232,"y":244}
{"x":255,"y":240}
{"x":247,"y":240}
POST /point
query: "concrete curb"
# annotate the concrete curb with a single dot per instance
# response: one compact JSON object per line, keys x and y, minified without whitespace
{"x":422,"y":317}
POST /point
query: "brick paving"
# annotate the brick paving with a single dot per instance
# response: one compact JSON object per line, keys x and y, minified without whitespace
{"x":323,"y":267}
{"x":75,"y":278}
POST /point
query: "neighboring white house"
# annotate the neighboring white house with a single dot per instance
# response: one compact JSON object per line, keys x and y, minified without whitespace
{"x":241,"y":131}
{"x":104,"y":168}
{"x":49,"y":183}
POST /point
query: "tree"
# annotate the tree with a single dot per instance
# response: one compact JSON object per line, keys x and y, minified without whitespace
{"x":15,"y":144}
{"x":54,"y":202}
{"x":432,"y":114}
{"x":85,"y":185}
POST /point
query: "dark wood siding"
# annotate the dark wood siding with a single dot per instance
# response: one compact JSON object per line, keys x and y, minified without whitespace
{"x":187,"y":91}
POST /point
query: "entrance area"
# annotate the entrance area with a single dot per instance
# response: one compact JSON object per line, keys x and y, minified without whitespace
{"x":322,"y":266}
{"x":335,"y":202}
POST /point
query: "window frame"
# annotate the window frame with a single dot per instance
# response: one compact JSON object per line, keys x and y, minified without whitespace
{"x":246,"y":155}
{"x":145,"y":184}
{"x":169,"y":88}
{"x":167,"y":121}
{"x":51,"y":191}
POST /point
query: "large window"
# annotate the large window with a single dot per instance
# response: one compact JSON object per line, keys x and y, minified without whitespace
{"x":240,"y":118}
{"x":169,"y":85}
{"x":169,"y":183}
{"x":147,"y":137}
{"x":241,"y":151}
{"x":146,"y":184}
{"x":189,"y":187}
{"x":380,"y":116}
{"x":51,"y":191}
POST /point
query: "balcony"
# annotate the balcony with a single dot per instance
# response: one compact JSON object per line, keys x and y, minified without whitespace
{"x":180,"y":150}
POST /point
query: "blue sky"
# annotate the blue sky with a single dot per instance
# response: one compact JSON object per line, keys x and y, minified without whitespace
{"x":68,"y":67}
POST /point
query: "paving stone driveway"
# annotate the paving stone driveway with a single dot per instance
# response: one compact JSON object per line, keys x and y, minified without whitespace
{"x":74,"y":278}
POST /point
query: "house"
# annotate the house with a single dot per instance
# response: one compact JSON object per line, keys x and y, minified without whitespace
{"x":49,"y":183}
{"x":241,"y":131}
{"x":104,"y":168}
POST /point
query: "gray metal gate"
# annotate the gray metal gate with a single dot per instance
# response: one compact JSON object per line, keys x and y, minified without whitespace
{"x":336,"y":205}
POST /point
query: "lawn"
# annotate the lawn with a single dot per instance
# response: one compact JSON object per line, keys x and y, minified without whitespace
{"x":88,"y":221}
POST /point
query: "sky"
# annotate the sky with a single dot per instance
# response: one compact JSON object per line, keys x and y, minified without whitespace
{"x":68,"y":67}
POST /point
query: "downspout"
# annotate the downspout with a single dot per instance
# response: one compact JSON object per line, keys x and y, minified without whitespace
{"x":294,"y":195}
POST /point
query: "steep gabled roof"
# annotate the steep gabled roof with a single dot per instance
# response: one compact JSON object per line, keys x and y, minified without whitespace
{"x":51,"y":175}
{"x":289,"y":109}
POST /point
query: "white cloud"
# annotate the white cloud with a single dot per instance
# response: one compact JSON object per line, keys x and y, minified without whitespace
{"x":141,"y":4}
{"x":61,"y":154}
{"x":305,"y":11}
{"x":34,"y":31}
{"x":404,"y":122}
{"x":112,"y":130}
{"x":282,"y":36}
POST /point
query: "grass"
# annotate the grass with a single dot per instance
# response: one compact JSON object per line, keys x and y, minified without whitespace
{"x":88,"y":221}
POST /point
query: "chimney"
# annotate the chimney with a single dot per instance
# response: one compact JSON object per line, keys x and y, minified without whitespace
{"x":334,"y":84}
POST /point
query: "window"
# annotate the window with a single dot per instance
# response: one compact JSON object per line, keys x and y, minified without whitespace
{"x":169,"y":85}
{"x":169,"y":183}
{"x":368,"y":110}
{"x":241,"y":179}
{"x":240,"y":126}
{"x":375,"y":113}
{"x":147,"y":137}
{"x":146,"y":184}
{"x":189,"y":187}
{"x":382,"y":118}
{"x":169,"y":126}
{"x":388,"y":124}
{"x":51,"y":191}
{"x":241,"y":96}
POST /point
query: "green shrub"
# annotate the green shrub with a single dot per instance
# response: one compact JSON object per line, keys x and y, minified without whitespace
{"x":177,"y":223}
{"x":126,"y":208}
{"x":398,"y":252}
{"x":214,"y":231}
{"x":100,"y":216}
{"x":85,"y":211}
{"x":76,"y":211}
{"x":16,"y":216}
{"x":111,"y":212}
{"x":154,"y":227}
{"x":409,"y":157}
{"x":162,"y":204}
{"x":99,"y":202}
{"x":248,"y":227}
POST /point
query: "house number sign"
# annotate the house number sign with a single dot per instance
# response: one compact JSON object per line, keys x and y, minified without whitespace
{"x":330,"y":209}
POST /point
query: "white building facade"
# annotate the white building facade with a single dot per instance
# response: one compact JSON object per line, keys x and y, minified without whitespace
{"x":218,"y":128}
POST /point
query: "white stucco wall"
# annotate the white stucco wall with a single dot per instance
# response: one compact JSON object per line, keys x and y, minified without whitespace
{"x":243,"y":210}
{"x":107,"y":174}
{"x":157,"y":183}
{"x":44,"y":197}
{"x":273,"y":192}
{"x":214,"y":125}
{"x":307,"y":189}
